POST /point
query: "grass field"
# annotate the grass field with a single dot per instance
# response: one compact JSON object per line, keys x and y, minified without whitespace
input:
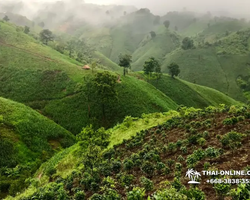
{"x":27,"y":139}
{"x":191,"y":95}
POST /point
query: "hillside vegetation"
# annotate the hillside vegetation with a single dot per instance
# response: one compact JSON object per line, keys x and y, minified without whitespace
{"x":27,"y":139}
{"x":153,"y":163}
{"x":55,"y":85}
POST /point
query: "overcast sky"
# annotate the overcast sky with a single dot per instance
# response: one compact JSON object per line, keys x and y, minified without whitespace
{"x":234,"y":6}
{"x":163,"y":6}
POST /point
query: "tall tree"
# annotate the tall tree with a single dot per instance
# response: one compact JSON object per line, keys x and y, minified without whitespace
{"x":125,"y":61}
{"x":187,"y":43}
{"x":150,"y":66}
{"x":26,"y":29}
{"x":46,"y":35}
{"x":105,"y":88}
{"x":6,"y":18}
{"x":166,"y":23}
{"x":174,"y":70}
{"x":153,"y":34}
{"x":158,"y":72}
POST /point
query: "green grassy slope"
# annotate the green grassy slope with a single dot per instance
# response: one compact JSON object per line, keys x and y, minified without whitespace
{"x":54,"y":86}
{"x":157,"y":159}
{"x":68,"y":160}
{"x":188,"y":94}
{"x":27,"y":139}
{"x":157,"y":47}
{"x":205,"y":67}
{"x":123,"y":37}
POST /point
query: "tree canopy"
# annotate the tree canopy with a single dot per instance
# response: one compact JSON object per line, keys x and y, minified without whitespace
{"x":6,"y":18}
{"x":166,"y":23}
{"x":125,"y":61}
{"x":187,"y":43}
{"x":174,"y":69}
{"x":46,"y":35}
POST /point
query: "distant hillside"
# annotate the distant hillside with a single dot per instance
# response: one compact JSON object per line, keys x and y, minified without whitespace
{"x":27,"y":139}
{"x":189,"y":94}
{"x":51,"y":83}
{"x":157,"y":46}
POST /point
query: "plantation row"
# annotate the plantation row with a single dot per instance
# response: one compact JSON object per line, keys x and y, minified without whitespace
{"x":153,"y":163}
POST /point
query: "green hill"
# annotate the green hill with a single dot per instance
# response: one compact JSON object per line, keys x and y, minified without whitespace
{"x":189,"y":94}
{"x":158,"y":47}
{"x":27,"y":139}
{"x":154,"y":162}
{"x":51,"y":83}
{"x":205,"y":67}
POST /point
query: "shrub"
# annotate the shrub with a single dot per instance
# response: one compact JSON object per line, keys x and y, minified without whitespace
{"x":160,"y":166}
{"x":206,"y":165}
{"x":232,"y":140}
{"x":205,"y":134}
{"x":116,"y":166}
{"x":136,"y":194}
{"x":211,"y":152}
{"x":126,"y":180}
{"x":171,"y":147}
{"x":222,"y":189}
{"x":194,"y":193}
{"x":178,"y":167}
{"x":128,"y":164}
{"x":96,"y":197}
{"x":148,"y":168}
{"x":230,"y":121}
{"x":177,"y":184}
{"x":180,"y":158}
{"x":170,"y":163}
{"x":80,"y":195}
{"x":201,"y":141}
{"x":242,"y":192}
{"x":146,"y":183}
{"x":167,"y":171}
{"x":184,"y":149}
{"x":50,"y":171}
{"x":168,"y":194}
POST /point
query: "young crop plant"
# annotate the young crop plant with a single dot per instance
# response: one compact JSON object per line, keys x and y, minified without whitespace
{"x":222,"y":190}
{"x":160,"y":166}
{"x":128,"y":164}
{"x":230,"y":121}
{"x":202,"y":141}
{"x":184,"y":150}
{"x":232,"y":140}
{"x":170,"y":163}
{"x":136,"y":194}
{"x":148,"y":168}
{"x":147,"y":183}
{"x":180,"y":158}
{"x":206,"y":165}
{"x":125,"y":179}
{"x":194,"y":193}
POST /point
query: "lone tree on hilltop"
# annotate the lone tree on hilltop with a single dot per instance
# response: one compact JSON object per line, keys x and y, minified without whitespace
{"x":125,"y":61}
{"x":166,"y":23}
{"x":46,"y":35}
{"x":6,"y":18}
{"x":187,"y":43}
{"x":174,"y":70}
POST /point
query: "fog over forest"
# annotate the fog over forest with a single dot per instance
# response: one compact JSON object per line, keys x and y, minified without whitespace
{"x":232,"y":8}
